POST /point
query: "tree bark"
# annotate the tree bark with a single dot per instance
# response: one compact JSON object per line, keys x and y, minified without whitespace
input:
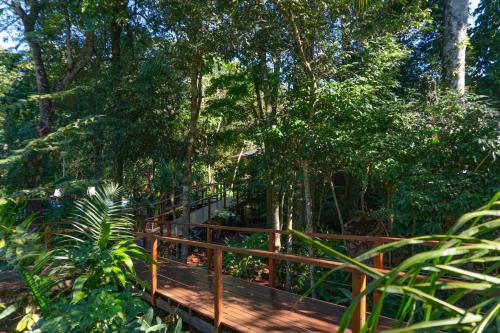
{"x":456,"y":13}
{"x":305,"y":54}
{"x":275,"y":212}
{"x":289,"y":239}
{"x":309,"y":218}
{"x":196,"y":97}
{"x":46,"y":104}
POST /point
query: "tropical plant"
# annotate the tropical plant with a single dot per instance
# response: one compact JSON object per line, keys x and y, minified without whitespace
{"x":243,"y":266}
{"x":85,"y":283}
{"x":102,"y":248}
{"x":467,"y":300}
{"x":103,"y":310}
{"x":20,"y":248}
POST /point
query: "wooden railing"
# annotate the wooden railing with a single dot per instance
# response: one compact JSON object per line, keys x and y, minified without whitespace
{"x":216,"y":251}
{"x":378,"y":260}
{"x":358,"y":277}
{"x":208,"y":192}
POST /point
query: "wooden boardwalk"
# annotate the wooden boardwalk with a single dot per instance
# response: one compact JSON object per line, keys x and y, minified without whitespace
{"x":248,"y":307}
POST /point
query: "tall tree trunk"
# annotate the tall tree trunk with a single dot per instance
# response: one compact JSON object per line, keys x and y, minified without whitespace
{"x":289,"y":239}
{"x":196,"y":96}
{"x":309,"y":217}
{"x":275,"y":212}
{"x":43,"y":88}
{"x":172,"y":194}
{"x":456,"y":13}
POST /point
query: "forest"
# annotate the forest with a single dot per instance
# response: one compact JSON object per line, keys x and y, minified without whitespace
{"x":140,"y":135}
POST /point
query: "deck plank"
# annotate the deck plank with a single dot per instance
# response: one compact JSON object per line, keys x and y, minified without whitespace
{"x":248,"y":307}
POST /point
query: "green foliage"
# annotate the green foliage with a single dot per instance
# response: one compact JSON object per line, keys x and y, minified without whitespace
{"x":243,"y":266}
{"x":102,"y":249}
{"x":98,"y":258}
{"x":485,"y":54}
{"x":428,"y":303}
{"x":103,"y":310}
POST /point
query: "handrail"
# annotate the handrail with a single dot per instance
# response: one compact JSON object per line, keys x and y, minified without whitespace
{"x":253,"y":252}
{"x":168,"y":210}
{"x":358,"y":276}
{"x":358,"y":281}
{"x":371,"y":239}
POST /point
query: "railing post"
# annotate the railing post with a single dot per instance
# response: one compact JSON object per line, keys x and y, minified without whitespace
{"x":378,"y":262}
{"x":272,"y":264}
{"x":47,"y":237}
{"x":218,"y":304}
{"x":359,"y":316}
{"x":209,"y":251}
{"x":154,"y":268}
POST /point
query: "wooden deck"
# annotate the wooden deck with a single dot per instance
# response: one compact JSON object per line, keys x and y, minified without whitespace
{"x":248,"y":307}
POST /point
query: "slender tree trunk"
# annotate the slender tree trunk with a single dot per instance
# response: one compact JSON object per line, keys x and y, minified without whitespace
{"x":336,"y":203}
{"x":289,"y":240}
{"x":196,"y":96}
{"x":236,"y":168}
{"x":210,"y":178}
{"x":42,"y":82}
{"x":456,"y":13}
{"x":172,"y":192}
{"x":305,"y":54}
{"x":275,"y":212}
{"x":320,"y":204}
{"x":309,"y":218}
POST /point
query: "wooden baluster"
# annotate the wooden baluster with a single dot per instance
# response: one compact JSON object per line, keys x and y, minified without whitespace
{"x":47,"y":236}
{"x":209,"y":251}
{"x":359,"y":316}
{"x":378,"y":262}
{"x":218,"y":304}
{"x":154,"y":268}
{"x":272,"y":263}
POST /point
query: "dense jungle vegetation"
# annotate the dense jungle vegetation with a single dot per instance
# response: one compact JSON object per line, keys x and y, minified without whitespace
{"x":365,"y":117}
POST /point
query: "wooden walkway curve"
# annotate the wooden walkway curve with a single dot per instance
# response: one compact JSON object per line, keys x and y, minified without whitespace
{"x":224,"y":302}
{"x":248,"y":307}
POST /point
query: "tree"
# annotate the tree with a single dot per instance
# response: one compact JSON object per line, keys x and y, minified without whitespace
{"x":455,"y":41}
{"x":32,"y":16}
